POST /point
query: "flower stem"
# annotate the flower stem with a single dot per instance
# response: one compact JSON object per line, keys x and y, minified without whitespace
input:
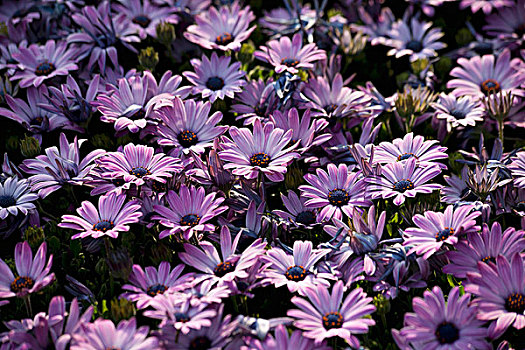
{"x":29,"y":308}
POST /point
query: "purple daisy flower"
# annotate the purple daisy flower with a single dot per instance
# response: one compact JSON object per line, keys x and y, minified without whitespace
{"x":32,"y":116}
{"x":500,"y":293}
{"x":224,"y":29}
{"x":249,"y":154}
{"x":336,"y":192}
{"x":206,"y":292}
{"x":15,"y":197}
{"x":136,"y":164}
{"x":507,"y":23}
{"x":375,"y":27}
{"x":457,"y":189}
{"x":285,"y":341}
{"x":32,"y":274}
{"x":333,"y":100}
{"x":298,"y":212}
{"x":298,"y":270}
{"x":327,"y":315}
{"x":304,"y":129}
{"x":144,"y":16}
{"x":485,"y":247}
{"x":188,"y":126}
{"x":410,"y":146}
{"x":440,"y":325}
{"x":290,"y":55}
{"x":102,"y":334}
{"x":414,"y":39}
{"x":189,"y":212}
{"x":458,"y":112}
{"x":111,"y":218}
{"x":147,"y":285}
{"x":216,"y":78}
{"x":60,"y":166}
{"x":480,"y":76}
{"x":39,"y":63}
{"x":256,"y":101}
{"x":517,"y":167}
{"x":435,"y":229}
{"x":485,"y":5}
{"x":402,"y":180}
{"x":226,"y":267}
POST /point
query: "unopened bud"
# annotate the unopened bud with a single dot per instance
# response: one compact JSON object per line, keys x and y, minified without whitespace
{"x":121,"y":309}
{"x":148,"y":58}
{"x":30,"y":147}
{"x":34,"y":235}
{"x":165,"y":33}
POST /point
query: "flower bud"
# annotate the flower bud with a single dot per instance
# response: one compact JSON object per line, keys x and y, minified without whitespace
{"x":34,"y":235}
{"x":121,"y":309}
{"x":165,"y":33}
{"x":30,"y":147}
{"x":119,"y":263}
{"x":148,"y":58}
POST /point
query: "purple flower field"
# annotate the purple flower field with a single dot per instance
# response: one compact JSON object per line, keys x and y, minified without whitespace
{"x":282,"y":175}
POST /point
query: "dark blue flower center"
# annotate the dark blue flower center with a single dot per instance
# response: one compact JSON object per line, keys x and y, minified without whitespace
{"x":405,"y":156}
{"x":415,"y":45}
{"x":118,"y":182}
{"x":141,"y":20}
{"x":260,"y":159}
{"x":224,"y":39}
{"x":242,"y":286}
{"x":306,"y":217}
{"x":156,"y":289}
{"x":36,"y":121}
{"x":158,"y":186}
{"x":20,"y":283}
{"x":200,"y":343}
{"x":139,"y":171}
{"x":444,"y":234}
{"x":403,"y":185}
{"x":515,"y":303}
{"x":289,"y":62}
{"x":332,"y":320}
{"x":520,"y":206}
{"x":338,"y":197}
{"x":490,"y":86}
{"x":190,"y":220}
{"x":44,"y":68}
{"x":447,"y":333}
{"x":215,"y":83}
{"x":489,"y":258}
{"x":458,"y":114}
{"x":181,"y":317}
{"x":223,"y":268}
{"x":103,"y":225}
{"x":295,"y":273}
{"x":187,"y":138}
{"x":138,"y":114}
{"x":7,"y":201}
{"x":467,"y":195}
{"x":330,"y":108}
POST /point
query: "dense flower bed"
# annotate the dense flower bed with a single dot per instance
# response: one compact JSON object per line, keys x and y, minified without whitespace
{"x":255,"y":175}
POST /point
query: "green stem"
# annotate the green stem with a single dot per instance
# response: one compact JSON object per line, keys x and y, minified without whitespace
{"x":500,"y":129}
{"x":41,"y":210}
{"x":107,"y":246}
{"x":29,"y":308}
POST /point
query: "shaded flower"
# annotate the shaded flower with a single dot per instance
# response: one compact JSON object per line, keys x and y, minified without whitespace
{"x":485,"y":5}
{"x":298,"y":213}
{"x":15,"y":196}
{"x":256,"y":101}
{"x":285,"y":341}
{"x":402,"y":180}
{"x":290,"y":55}
{"x":216,"y":78}
{"x":249,"y":154}
{"x":518,"y":169}
{"x":507,"y":23}
{"x":458,"y":112}
{"x":111,"y":218}
{"x":326,"y":315}
{"x":224,"y":28}
{"x":144,"y":16}
{"x":435,"y":229}
{"x":336,"y":192}
{"x":32,"y":273}
{"x":189,"y":212}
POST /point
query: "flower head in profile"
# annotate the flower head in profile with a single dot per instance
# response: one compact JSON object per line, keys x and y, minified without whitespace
{"x":188,"y":212}
{"x":506,"y":24}
{"x":290,"y":55}
{"x":111,"y":218}
{"x":32,"y":274}
{"x":266,"y":151}
{"x":485,"y":5}
{"x":458,"y":112}
{"x":147,"y":283}
{"x":435,"y":229}
{"x":187,"y":126}
{"x":226,"y":266}
{"x":326,"y":315}
{"x":102,"y":334}
{"x":15,"y":197}
{"x":144,"y":16}
{"x":297,"y":270}
{"x":216,"y":78}
{"x":517,"y":167}
{"x":500,"y":293}
{"x":414,"y":38}
{"x":39,"y":63}
{"x":403,"y":179}
{"x":298,"y":213}
{"x":482,"y":76}
{"x":256,"y":101}
{"x":442,"y":325}
{"x":224,"y":28}
{"x":486,"y":247}
{"x":337,"y":191}
{"x":59,"y":166}
{"x":136,"y":164}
